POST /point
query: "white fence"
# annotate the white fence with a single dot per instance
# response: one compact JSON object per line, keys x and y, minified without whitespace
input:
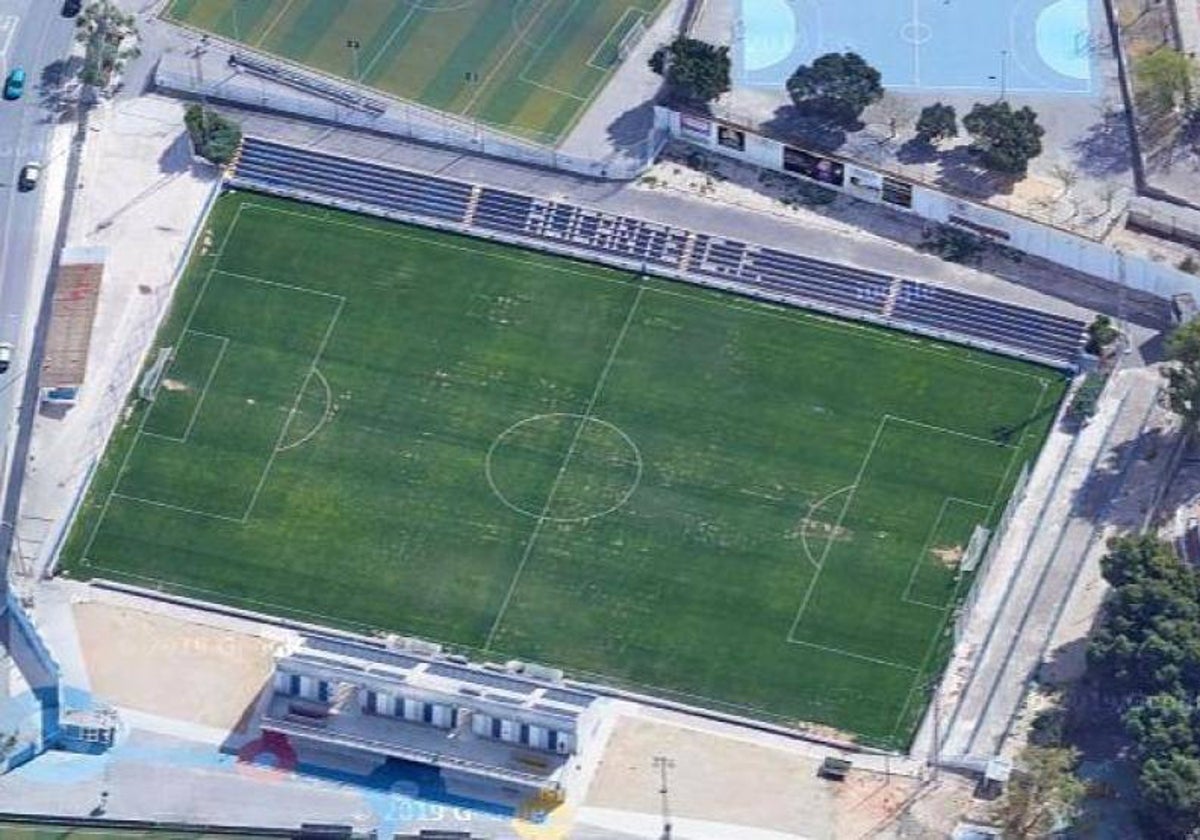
{"x":863,"y":182}
{"x":401,"y":119}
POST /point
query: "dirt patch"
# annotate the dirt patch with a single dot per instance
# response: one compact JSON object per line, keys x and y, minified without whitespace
{"x":819,"y":528}
{"x":174,"y":385}
{"x":738,"y":782}
{"x":215,"y":675}
{"x":948,"y":555}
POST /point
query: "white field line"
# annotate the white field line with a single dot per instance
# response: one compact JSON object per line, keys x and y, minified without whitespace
{"x":142,"y":425}
{"x":872,"y":659}
{"x":617,"y":25}
{"x":312,"y":369}
{"x":365,"y":71}
{"x":920,"y":560}
{"x":252,"y":279}
{"x":181,"y":508}
{"x":812,"y":584}
{"x":813,"y":508}
{"x":562,"y":469}
{"x":516,"y":42}
{"x":325,"y":415}
{"x":274,"y":21}
{"x":204,"y":391}
{"x":605,"y":274}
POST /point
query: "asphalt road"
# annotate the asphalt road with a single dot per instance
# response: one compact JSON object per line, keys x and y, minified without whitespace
{"x":33,"y":36}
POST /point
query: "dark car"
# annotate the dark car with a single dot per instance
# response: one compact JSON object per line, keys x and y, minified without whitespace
{"x":70,"y":8}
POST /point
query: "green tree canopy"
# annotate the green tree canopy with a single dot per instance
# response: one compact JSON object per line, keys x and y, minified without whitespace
{"x":1043,"y":795}
{"x":214,"y":137}
{"x":1183,"y":374}
{"x":937,"y":122}
{"x":109,"y":37}
{"x":1007,"y":139}
{"x":1146,"y":655}
{"x":1164,"y":79}
{"x":836,"y":85}
{"x":695,"y":71}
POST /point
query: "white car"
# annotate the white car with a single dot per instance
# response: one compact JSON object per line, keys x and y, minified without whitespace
{"x":5,"y":355}
{"x":28,"y":179}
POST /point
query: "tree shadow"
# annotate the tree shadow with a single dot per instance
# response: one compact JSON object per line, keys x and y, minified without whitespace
{"x":962,"y":172}
{"x":177,"y":157}
{"x":813,"y":131}
{"x":917,"y":151}
{"x":58,"y":88}
{"x":1105,"y":149}
{"x":628,"y":132}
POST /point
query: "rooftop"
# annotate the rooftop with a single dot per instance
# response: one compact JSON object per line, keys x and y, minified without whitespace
{"x":76,"y":292}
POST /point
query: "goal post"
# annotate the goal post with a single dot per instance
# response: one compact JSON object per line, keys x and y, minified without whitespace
{"x":631,"y":38}
{"x":148,"y":387}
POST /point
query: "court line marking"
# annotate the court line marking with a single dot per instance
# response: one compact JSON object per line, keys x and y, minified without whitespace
{"x":566,"y":462}
{"x":140,"y":432}
{"x":871,"y":659}
{"x":611,"y":30}
{"x":212,"y":372}
{"x":87,"y":548}
{"x":326,"y":415}
{"x":365,"y":71}
{"x":287,"y":5}
{"x":775,"y":311}
{"x":921,"y":557}
{"x":812,"y":584}
{"x":516,"y":42}
{"x":790,"y":638}
{"x":813,"y":508}
{"x":537,"y":52}
{"x":768,"y":309}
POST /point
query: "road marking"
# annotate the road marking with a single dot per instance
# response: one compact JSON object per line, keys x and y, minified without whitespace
{"x":8,"y":28}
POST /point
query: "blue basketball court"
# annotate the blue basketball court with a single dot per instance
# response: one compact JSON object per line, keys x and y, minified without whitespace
{"x":1018,"y":46}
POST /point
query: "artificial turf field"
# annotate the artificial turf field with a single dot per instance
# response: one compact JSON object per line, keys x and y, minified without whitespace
{"x":387,"y":428}
{"x":526,"y":66}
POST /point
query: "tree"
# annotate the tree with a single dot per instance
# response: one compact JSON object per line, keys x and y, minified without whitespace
{"x":110,"y":39}
{"x":1043,"y":794}
{"x":937,"y":122}
{"x":1007,"y":139}
{"x":1183,"y":374}
{"x":1164,"y":79}
{"x":214,"y":137}
{"x":1101,"y":334}
{"x":1146,"y":657}
{"x":836,"y":85}
{"x":694,"y":70}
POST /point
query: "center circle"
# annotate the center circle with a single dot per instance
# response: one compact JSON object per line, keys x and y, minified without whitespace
{"x":915,"y":32}
{"x":563,"y":467}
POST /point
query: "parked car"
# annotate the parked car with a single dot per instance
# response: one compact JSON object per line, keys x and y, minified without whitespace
{"x":28,"y":179}
{"x":5,"y":355}
{"x":14,"y":85}
{"x":70,"y":8}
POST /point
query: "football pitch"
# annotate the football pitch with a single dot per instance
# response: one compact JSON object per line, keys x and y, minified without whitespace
{"x":734,"y":504}
{"x":529,"y":67}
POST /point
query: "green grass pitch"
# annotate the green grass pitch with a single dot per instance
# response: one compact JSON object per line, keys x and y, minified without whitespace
{"x":529,"y":67}
{"x":732,"y":503}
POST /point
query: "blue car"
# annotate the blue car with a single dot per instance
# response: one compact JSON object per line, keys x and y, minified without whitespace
{"x":14,"y":85}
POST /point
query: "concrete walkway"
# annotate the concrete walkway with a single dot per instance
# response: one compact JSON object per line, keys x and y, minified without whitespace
{"x":1039,"y":565}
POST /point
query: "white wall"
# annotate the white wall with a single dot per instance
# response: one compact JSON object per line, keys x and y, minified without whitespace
{"x":1056,"y":245}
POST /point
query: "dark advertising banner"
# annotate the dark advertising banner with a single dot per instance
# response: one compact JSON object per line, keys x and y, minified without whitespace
{"x":813,"y":166}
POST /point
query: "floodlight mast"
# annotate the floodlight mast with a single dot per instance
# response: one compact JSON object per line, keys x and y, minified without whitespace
{"x":664,"y":764}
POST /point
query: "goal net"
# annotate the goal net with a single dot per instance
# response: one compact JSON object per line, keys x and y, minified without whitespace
{"x":631,"y":38}
{"x":148,"y":387}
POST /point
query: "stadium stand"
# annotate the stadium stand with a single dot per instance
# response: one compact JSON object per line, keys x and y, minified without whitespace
{"x":307,"y":82}
{"x":654,"y":248}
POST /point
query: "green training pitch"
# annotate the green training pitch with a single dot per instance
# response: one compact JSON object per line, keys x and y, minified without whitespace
{"x":529,"y":67}
{"x":731,"y":503}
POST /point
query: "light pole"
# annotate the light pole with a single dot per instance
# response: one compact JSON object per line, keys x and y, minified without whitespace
{"x":664,"y":764}
{"x":354,"y":46}
{"x":1003,"y":77}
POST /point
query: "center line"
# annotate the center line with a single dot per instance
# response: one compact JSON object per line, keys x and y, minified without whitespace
{"x":562,"y":469}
